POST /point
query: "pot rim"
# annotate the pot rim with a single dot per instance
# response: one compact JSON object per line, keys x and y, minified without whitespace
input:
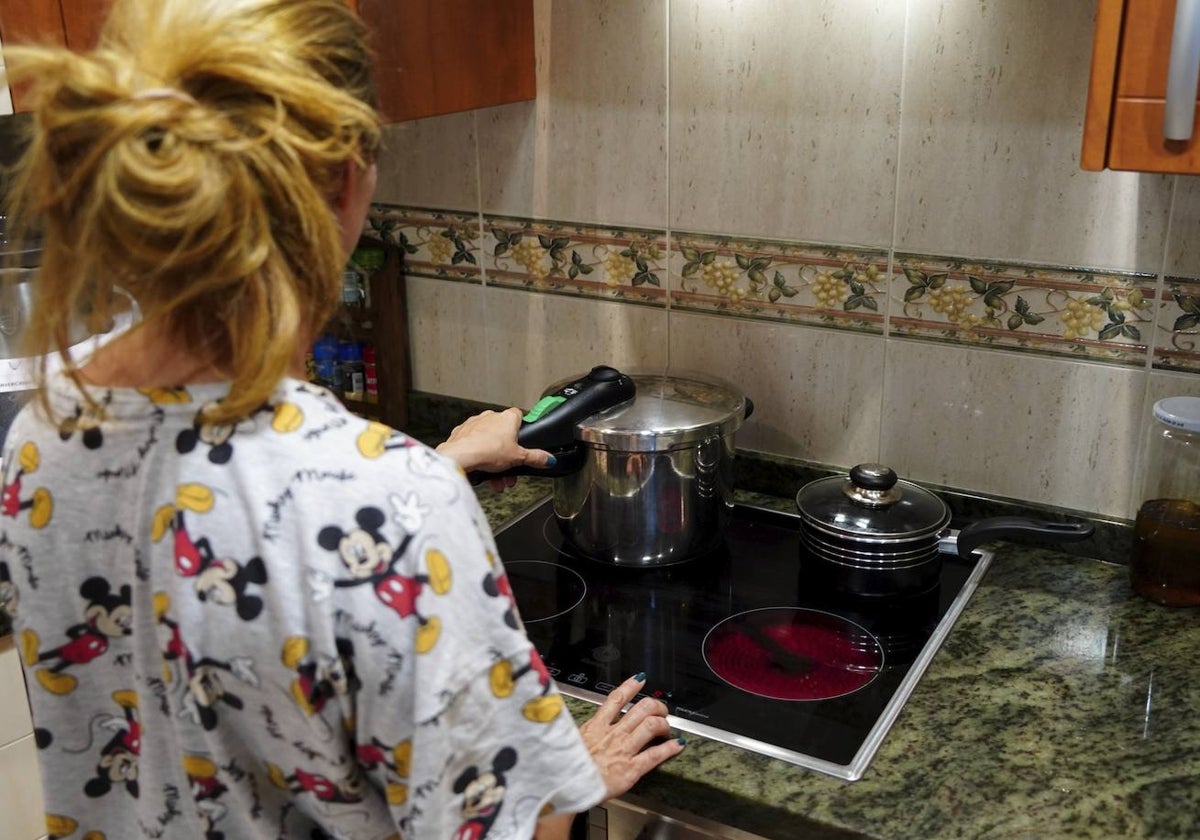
{"x":932,"y":535}
{"x":670,"y":412}
{"x":871,"y":556}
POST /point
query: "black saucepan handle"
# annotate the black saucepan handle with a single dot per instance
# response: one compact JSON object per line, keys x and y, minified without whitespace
{"x":1019,"y":528}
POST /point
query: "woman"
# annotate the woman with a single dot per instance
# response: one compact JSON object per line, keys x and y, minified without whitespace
{"x":244,"y":611}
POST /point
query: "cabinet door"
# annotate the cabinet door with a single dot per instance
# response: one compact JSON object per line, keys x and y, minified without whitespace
{"x":441,"y":56}
{"x":82,"y":20}
{"x":1132,"y":135}
{"x":70,"y":23}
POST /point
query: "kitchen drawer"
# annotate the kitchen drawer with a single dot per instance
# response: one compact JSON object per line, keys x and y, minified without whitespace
{"x":22,"y":816}
{"x":15,"y":722}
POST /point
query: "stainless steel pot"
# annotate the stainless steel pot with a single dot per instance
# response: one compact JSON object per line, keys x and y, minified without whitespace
{"x":873,"y":534}
{"x":654,"y":484}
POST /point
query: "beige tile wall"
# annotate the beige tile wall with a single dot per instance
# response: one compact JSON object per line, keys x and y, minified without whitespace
{"x":21,"y":813}
{"x":944,"y":127}
{"x":764,"y":140}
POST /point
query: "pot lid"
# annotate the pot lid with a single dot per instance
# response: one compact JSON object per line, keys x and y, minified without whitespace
{"x":873,"y":505}
{"x":668,"y":412}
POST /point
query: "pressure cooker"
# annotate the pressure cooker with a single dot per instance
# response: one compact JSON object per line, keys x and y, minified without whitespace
{"x":644,"y":463}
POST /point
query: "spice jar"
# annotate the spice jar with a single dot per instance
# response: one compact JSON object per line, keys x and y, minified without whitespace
{"x":1165,"y":566}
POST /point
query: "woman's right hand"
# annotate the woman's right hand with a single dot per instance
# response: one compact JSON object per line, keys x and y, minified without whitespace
{"x":619,"y":743}
{"x":488,"y":442}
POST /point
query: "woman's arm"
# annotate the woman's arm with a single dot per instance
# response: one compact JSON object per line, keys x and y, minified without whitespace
{"x":557,"y":827}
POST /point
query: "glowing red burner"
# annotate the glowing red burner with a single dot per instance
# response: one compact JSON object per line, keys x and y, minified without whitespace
{"x":792,"y":654}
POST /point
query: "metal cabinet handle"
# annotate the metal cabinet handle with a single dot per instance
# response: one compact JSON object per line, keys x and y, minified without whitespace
{"x":1183,"y":72}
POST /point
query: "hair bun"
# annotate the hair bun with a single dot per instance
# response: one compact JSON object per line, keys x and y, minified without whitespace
{"x":165,"y":93}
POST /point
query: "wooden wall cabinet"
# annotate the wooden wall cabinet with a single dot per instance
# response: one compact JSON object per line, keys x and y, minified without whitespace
{"x":442,"y":56}
{"x":67,"y":23}
{"x":1126,"y":105}
{"x":432,"y":56}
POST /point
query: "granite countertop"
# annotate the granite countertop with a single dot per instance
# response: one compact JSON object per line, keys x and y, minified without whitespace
{"x":1060,"y":705}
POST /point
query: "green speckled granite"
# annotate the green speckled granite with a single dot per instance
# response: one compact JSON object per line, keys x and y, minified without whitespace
{"x":1061,"y":705}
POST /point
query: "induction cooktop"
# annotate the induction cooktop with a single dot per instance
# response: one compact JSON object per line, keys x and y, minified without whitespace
{"x":745,"y":644}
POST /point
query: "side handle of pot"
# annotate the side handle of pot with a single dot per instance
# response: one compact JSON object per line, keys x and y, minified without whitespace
{"x":1020,"y":528}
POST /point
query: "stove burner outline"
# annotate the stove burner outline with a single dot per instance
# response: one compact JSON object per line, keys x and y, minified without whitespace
{"x":560,"y":545}
{"x":583,"y":587}
{"x":855,"y":635}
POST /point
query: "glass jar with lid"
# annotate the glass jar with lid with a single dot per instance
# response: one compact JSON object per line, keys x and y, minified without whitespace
{"x":1165,"y":566}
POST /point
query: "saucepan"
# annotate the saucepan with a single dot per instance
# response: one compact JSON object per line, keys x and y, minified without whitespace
{"x":874,"y":534}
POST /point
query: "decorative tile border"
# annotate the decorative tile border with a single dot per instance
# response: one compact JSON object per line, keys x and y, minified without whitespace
{"x":1076,"y":313}
{"x":616,"y":263}
{"x":1178,"y":344}
{"x":780,"y":281}
{"x":442,"y":244}
{"x":1110,"y":317}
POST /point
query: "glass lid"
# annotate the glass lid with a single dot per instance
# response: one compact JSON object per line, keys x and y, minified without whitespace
{"x":871,"y":505}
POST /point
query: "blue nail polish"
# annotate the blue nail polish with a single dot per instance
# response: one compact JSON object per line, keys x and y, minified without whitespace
{"x":551,"y":461}
{"x":683,"y":742}
{"x":640,"y":676}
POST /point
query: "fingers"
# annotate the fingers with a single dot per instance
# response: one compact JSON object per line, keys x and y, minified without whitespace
{"x":499,"y":485}
{"x":651,"y":757}
{"x":620,"y":743}
{"x":619,"y":697}
{"x":645,"y":712}
{"x":538,"y":458}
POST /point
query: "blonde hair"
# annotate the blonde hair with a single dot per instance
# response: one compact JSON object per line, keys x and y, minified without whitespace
{"x":191,"y":159}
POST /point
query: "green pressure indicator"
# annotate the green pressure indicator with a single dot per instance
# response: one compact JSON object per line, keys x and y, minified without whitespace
{"x":544,"y":406}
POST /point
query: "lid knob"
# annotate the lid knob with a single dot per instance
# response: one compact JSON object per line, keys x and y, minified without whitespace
{"x":872,"y":485}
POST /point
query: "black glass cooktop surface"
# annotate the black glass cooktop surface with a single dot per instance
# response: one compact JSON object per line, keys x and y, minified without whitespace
{"x":743,"y":644}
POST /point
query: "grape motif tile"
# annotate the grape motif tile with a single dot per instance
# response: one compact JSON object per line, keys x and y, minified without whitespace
{"x":780,"y":281}
{"x":1178,"y":340}
{"x":442,"y":244}
{"x":1100,"y":316}
{"x":625,"y":264}
{"x":1112,"y":317}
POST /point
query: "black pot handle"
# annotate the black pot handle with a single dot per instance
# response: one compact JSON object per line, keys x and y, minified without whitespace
{"x":1019,"y":527}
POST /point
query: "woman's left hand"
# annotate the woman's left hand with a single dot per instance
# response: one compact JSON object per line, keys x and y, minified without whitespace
{"x":620,"y":744}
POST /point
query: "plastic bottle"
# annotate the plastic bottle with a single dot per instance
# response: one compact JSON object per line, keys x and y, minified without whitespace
{"x":370,"y":374}
{"x":350,"y":366}
{"x":1165,"y":566}
{"x":352,"y":289}
{"x":324,"y":354}
{"x":366,"y":260}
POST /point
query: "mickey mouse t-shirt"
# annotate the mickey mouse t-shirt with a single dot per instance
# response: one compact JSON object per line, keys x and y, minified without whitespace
{"x":293,"y":626}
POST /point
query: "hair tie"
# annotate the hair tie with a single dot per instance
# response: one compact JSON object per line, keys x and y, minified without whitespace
{"x":165,"y":93}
